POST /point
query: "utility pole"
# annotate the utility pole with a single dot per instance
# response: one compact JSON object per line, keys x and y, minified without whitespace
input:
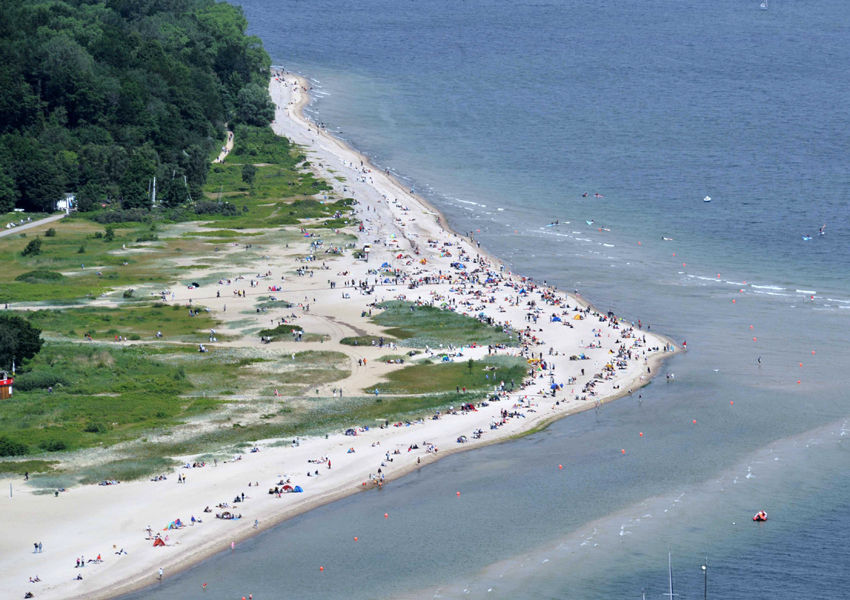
{"x":153,"y":197}
{"x":705,"y":579}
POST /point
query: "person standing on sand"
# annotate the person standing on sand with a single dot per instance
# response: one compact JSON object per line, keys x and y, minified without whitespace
{"x":160,"y":573}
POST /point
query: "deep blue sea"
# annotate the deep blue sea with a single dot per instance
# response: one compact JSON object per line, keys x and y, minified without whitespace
{"x":503,"y":114}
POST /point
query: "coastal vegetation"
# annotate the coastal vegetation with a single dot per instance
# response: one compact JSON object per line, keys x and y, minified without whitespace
{"x":101,"y":97}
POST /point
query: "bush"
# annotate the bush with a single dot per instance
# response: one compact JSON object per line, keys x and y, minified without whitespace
{"x":50,"y":233}
{"x":147,"y":237}
{"x":208,"y":207}
{"x":95,"y":427}
{"x":54,"y":445}
{"x":41,"y":276}
{"x":134,"y":337}
{"x":128,"y":293}
{"x":11,"y":447}
{"x":38,"y":380}
{"x":109,"y":234}
{"x":81,"y":249}
{"x":98,"y":235}
{"x":130,"y":215}
{"x":33,"y":248}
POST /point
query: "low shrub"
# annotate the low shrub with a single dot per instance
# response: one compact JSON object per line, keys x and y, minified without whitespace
{"x":38,"y":380}
{"x":40,"y":276}
{"x":11,"y":447}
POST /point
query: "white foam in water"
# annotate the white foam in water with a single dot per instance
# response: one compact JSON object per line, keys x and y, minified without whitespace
{"x":806,"y":292}
{"x":767,"y":287}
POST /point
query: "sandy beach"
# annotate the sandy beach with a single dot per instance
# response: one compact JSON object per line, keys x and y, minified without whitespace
{"x":413,"y":238}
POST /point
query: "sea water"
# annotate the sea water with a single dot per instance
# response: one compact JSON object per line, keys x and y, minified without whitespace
{"x":503,"y":114}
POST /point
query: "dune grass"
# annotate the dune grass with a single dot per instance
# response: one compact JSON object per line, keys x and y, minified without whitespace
{"x":418,"y":326}
{"x":143,"y":321}
{"x":436,"y":378}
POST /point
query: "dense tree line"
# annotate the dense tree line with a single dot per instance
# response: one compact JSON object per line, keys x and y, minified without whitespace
{"x":99,"y":96}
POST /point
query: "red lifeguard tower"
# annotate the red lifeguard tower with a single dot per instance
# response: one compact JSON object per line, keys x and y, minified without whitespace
{"x":5,"y":386}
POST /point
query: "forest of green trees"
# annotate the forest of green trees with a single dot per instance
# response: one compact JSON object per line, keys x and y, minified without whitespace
{"x":97,"y":97}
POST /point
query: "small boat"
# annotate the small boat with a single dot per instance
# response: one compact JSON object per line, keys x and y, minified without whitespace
{"x":589,"y":222}
{"x":666,"y":239}
{"x":806,"y":238}
{"x":763,"y":5}
{"x":707,"y":199}
{"x":760,"y":516}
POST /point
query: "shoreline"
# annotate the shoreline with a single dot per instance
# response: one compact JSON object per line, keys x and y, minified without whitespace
{"x":141,"y":577}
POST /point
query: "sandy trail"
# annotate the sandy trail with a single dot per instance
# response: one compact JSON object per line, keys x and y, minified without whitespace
{"x":91,"y":520}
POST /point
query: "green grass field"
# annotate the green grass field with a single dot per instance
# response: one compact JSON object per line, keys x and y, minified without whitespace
{"x":440,"y":377}
{"x":427,"y":325}
{"x":142,"y":321}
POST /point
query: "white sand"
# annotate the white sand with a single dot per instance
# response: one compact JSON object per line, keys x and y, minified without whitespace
{"x":91,"y":520}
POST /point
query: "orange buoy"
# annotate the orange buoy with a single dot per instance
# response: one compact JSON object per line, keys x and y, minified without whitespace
{"x":801,"y":364}
{"x":798,"y":381}
{"x":754,"y":339}
{"x":386,"y":515}
{"x":623,"y":450}
{"x":641,"y":434}
{"x":733,"y":302}
{"x":731,"y":402}
{"x":751,"y":326}
{"x":718,"y":274}
{"x":355,"y":538}
{"x":695,"y":421}
{"x":320,"y":568}
{"x":458,"y":494}
{"x":683,"y":264}
{"x":813,"y":351}
{"x":560,"y":466}
{"x":638,"y":243}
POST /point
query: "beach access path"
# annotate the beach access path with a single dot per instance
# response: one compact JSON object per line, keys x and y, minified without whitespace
{"x":39,"y":223}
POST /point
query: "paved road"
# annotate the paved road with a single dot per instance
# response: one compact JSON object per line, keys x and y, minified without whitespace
{"x":20,"y":228}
